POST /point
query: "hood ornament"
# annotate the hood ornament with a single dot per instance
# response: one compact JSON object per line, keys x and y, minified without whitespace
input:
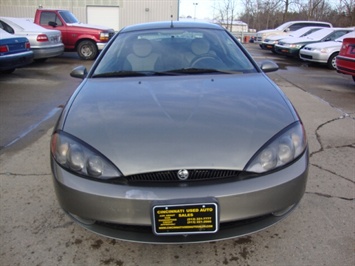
{"x":183,"y":174}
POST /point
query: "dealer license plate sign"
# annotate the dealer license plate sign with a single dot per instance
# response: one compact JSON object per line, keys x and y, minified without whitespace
{"x":182,"y":219}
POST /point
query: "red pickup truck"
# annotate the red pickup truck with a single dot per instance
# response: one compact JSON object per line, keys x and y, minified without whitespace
{"x":86,"y":39}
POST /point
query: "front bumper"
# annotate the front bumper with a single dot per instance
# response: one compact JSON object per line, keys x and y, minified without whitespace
{"x":314,"y":56}
{"x":286,"y":51}
{"x":267,"y":46}
{"x":125,"y":212}
{"x":101,"y":45}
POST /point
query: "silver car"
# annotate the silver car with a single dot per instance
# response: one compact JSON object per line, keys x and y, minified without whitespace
{"x":44,"y":43}
{"x":176,"y":135}
{"x":324,"y":52}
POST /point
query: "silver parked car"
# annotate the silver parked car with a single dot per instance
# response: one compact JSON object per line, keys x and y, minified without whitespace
{"x":176,"y":135}
{"x":324,"y":52}
{"x":44,"y":43}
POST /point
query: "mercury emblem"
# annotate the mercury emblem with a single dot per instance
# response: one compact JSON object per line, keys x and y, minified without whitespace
{"x":183,"y":174}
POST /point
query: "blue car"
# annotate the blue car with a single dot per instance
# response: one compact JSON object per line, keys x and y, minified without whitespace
{"x":14,"y":52}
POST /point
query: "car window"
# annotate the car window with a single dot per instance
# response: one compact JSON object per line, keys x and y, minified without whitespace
{"x":46,"y":17}
{"x":297,"y":26}
{"x":6,"y":27}
{"x":174,"y":50}
{"x":68,"y":17}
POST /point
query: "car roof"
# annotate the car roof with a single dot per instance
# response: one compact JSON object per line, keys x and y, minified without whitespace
{"x":24,"y":24}
{"x":171,"y":24}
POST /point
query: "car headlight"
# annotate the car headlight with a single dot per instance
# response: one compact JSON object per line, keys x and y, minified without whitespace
{"x":324,"y":50}
{"x":80,"y":158}
{"x":281,"y":150}
{"x":104,"y":36}
{"x":296,"y":46}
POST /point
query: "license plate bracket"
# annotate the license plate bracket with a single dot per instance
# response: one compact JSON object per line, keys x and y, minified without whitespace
{"x":185,"y":218}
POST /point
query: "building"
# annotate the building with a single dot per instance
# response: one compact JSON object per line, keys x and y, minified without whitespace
{"x":115,"y":14}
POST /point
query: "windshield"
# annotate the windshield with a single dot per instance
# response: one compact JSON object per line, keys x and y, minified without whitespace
{"x":68,"y":17}
{"x":173,"y":51}
{"x":283,"y":26}
{"x":302,"y":32}
{"x":319,"y":34}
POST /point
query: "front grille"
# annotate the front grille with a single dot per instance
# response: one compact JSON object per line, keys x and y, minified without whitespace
{"x":306,"y":56}
{"x":110,"y":35}
{"x":194,"y":175}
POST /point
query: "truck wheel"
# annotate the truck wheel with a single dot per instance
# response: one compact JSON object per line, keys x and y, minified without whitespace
{"x":331,"y":61}
{"x":87,"y":50}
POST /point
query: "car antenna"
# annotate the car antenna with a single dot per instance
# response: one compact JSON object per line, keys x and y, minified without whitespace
{"x":171,"y":25}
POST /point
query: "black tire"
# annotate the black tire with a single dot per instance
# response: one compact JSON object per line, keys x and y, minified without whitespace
{"x":353,"y":78}
{"x":87,"y":50}
{"x":331,"y":61}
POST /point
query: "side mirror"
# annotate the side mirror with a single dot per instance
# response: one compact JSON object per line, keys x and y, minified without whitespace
{"x":52,"y":23}
{"x":268,"y":66}
{"x":79,"y":72}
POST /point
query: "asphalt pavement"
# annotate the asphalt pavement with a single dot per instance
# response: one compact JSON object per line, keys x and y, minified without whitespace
{"x":35,"y":231}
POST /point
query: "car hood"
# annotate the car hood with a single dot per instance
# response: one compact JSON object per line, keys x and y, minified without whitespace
{"x":271,"y":31}
{"x":329,"y":44}
{"x":84,"y":25}
{"x":163,"y":123}
{"x":299,"y":40}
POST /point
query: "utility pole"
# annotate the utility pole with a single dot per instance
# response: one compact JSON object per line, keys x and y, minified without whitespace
{"x":195,"y":5}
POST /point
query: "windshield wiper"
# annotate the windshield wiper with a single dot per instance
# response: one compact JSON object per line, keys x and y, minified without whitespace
{"x":121,"y":74}
{"x":175,"y":72}
{"x":194,"y":71}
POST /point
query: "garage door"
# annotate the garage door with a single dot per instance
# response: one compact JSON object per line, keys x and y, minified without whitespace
{"x":103,"y":15}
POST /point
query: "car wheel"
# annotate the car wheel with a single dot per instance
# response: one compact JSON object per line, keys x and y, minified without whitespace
{"x":353,"y":78}
{"x":87,"y":50}
{"x":331,"y":61}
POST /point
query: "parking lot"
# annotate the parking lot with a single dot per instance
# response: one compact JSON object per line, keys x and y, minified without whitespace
{"x":35,"y":231}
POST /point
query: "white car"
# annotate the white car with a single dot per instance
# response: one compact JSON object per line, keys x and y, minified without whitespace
{"x":324,"y":52}
{"x":269,"y":43}
{"x":44,"y":43}
{"x":288,"y":27}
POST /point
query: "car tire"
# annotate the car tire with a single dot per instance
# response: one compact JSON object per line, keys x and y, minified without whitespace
{"x":331,"y":61}
{"x":353,"y":78}
{"x":87,"y":50}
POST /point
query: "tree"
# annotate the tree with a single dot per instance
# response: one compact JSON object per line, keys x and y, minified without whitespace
{"x":267,"y":14}
{"x":226,"y":13}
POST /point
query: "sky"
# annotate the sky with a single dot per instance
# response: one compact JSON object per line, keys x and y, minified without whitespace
{"x":200,"y":8}
{"x":207,"y":8}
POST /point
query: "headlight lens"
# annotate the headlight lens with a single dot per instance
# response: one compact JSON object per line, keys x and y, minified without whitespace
{"x":104,"y":36}
{"x":281,"y":150}
{"x":80,"y":158}
{"x":297,"y":46}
